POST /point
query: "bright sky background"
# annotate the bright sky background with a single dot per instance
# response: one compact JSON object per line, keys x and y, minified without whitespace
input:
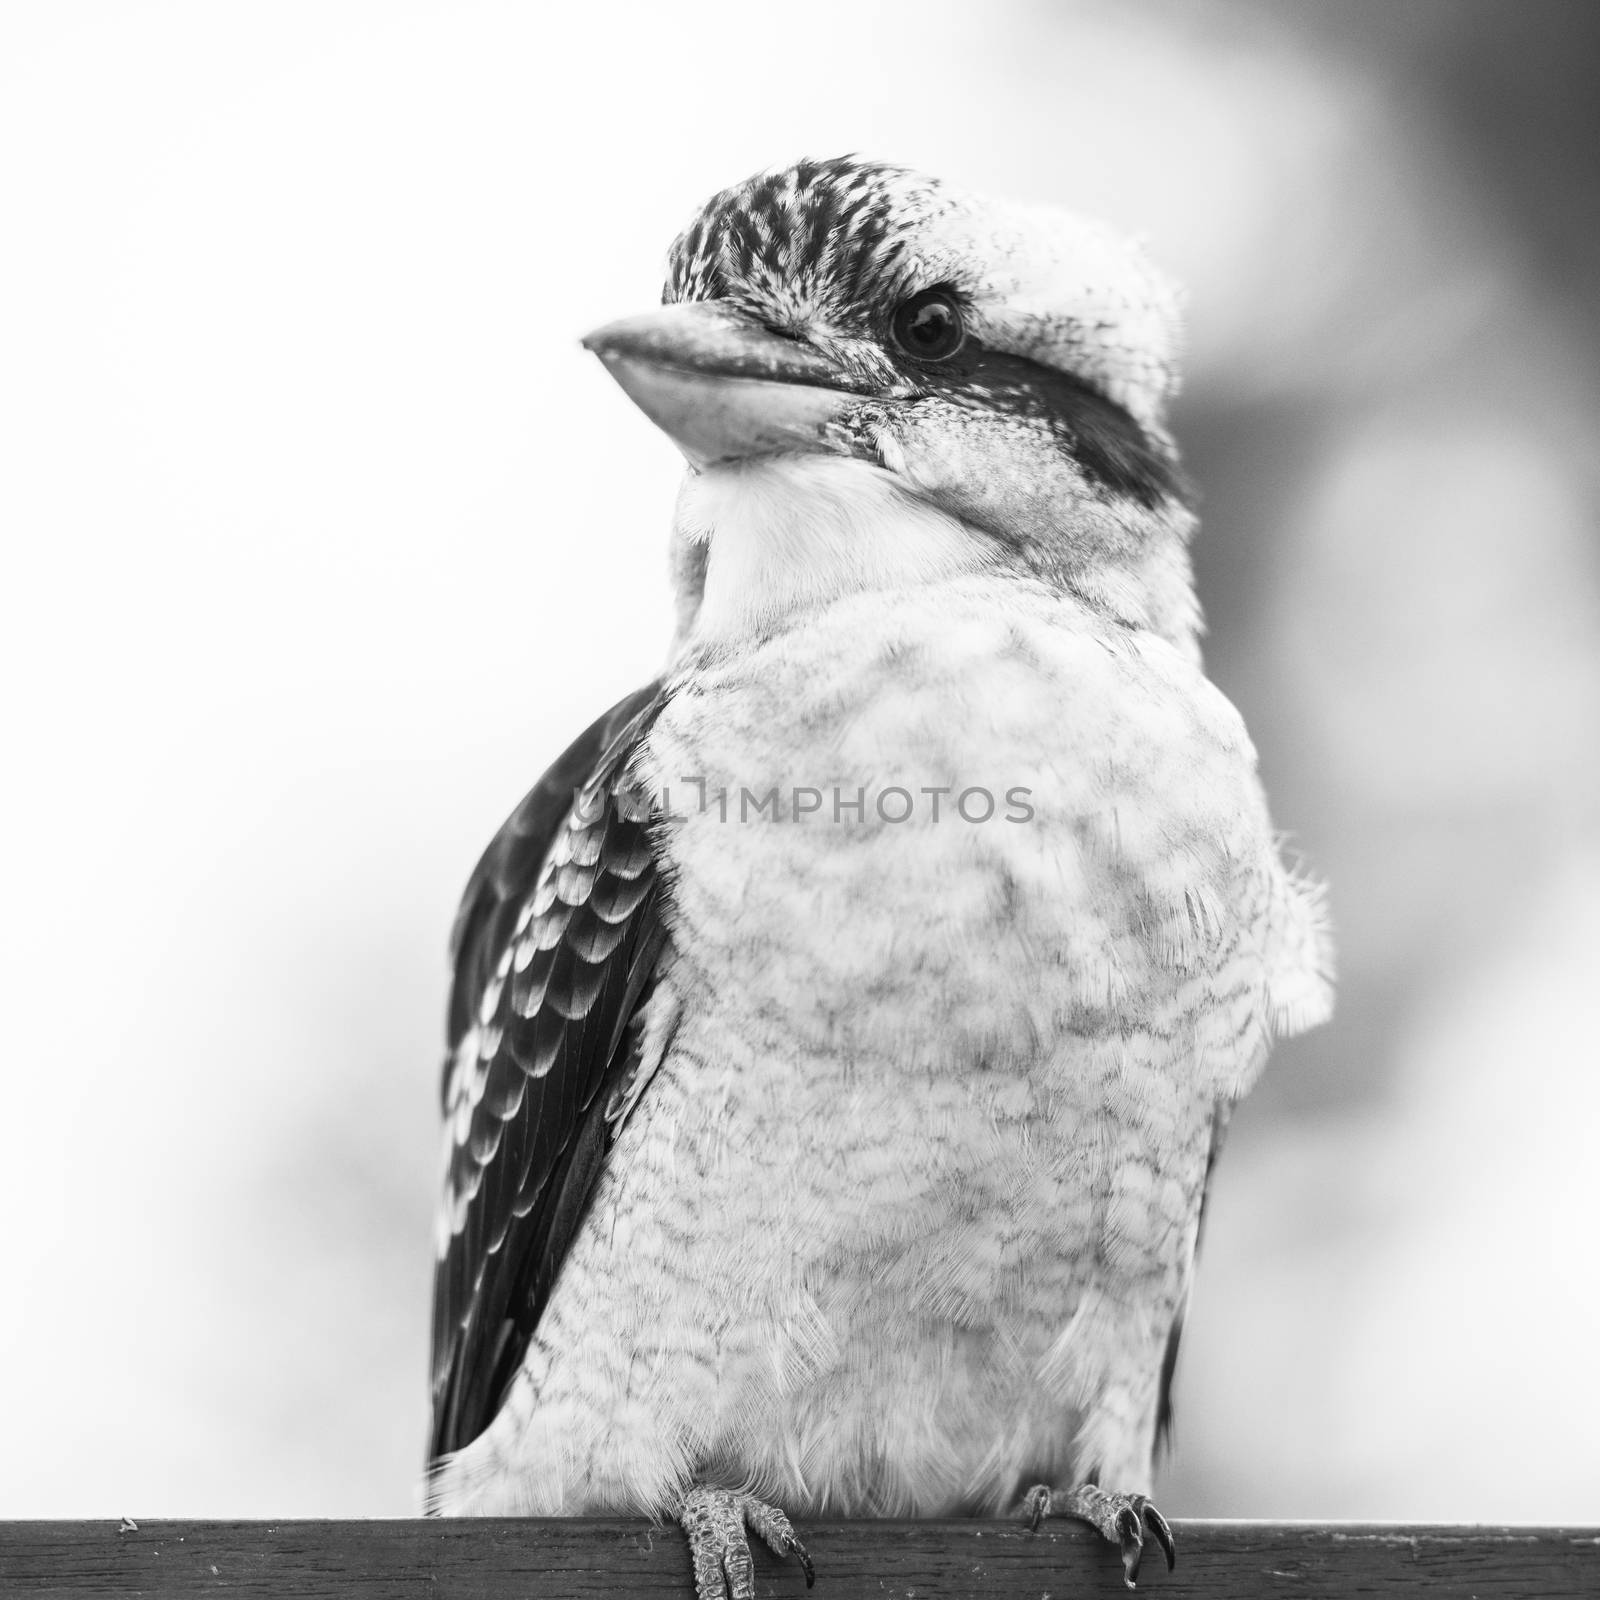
{"x":323,"y":535}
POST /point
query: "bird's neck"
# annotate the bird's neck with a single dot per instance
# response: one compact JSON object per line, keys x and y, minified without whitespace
{"x":1146,"y":583}
{"x":759,"y":543}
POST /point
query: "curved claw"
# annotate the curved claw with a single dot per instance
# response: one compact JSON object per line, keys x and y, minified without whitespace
{"x":1157,"y":1524}
{"x":1130,"y":1535}
{"x":798,"y":1550}
{"x":1132,"y":1521}
{"x":1124,"y":1519}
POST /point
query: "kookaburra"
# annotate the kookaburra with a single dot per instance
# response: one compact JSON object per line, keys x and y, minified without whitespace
{"x":844,"y":1027}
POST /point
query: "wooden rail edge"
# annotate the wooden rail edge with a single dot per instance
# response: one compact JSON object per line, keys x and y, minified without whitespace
{"x":490,"y":1558}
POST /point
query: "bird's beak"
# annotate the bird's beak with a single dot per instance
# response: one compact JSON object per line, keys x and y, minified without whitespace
{"x":723,"y":387}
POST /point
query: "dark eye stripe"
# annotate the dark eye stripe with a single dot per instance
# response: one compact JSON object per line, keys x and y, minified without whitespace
{"x":1113,"y":449}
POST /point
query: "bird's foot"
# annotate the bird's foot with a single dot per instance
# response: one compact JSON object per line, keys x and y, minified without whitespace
{"x":715,"y":1521}
{"x":1124,"y":1519}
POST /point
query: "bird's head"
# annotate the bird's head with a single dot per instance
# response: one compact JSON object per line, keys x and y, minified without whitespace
{"x":876,"y":379}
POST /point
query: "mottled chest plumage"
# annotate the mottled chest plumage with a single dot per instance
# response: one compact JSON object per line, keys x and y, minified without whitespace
{"x":999,"y":826}
{"x":968,"y":938}
{"x":971,"y":931}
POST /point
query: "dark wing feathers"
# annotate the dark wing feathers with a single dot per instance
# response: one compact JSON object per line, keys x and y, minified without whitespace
{"x":509,"y":867}
{"x":1169,"y":1359}
{"x":555,"y":949}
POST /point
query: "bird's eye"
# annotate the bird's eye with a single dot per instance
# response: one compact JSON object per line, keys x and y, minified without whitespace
{"x":929,"y":325}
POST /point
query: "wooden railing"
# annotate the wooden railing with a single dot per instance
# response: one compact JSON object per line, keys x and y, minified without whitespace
{"x":521,"y":1560}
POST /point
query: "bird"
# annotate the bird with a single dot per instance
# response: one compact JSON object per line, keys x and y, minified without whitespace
{"x":843,"y":1030}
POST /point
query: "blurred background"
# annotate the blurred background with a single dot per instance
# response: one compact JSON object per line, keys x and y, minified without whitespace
{"x":323,"y":535}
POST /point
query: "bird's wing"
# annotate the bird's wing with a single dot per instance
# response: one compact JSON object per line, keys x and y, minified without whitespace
{"x":1169,"y":1361}
{"x":554,"y":950}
